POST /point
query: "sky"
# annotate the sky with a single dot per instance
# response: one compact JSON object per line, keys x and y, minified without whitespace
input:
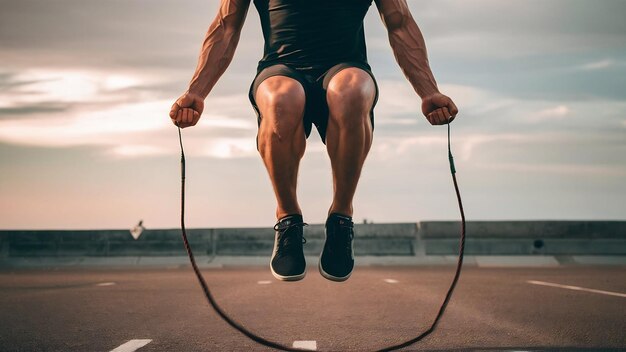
{"x":86,"y":141}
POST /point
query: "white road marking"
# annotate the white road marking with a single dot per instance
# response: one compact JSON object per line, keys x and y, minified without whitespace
{"x":132,"y":345}
{"x":577,"y":288}
{"x":391,"y":281}
{"x":264,"y":282}
{"x":305,"y":345}
{"x":106,"y":284}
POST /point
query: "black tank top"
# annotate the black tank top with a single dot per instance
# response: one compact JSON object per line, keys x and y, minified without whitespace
{"x":312,"y":34}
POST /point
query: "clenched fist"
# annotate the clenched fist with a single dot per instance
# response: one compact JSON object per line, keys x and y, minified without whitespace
{"x":439,"y":109}
{"x":186,"y":110}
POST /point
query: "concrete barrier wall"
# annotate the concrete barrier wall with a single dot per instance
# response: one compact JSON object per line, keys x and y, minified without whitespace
{"x":526,"y":237}
{"x":526,"y":229}
{"x":404,"y":239}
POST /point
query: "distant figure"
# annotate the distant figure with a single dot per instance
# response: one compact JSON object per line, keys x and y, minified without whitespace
{"x":314,"y":71}
{"x":137,"y":230}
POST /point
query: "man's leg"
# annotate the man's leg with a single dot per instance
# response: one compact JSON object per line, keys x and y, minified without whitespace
{"x":282,"y":141}
{"x":281,"y":103}
{"x":350,"y":95}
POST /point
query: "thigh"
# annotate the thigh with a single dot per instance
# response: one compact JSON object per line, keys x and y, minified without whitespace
{"x":321,"y":121}
{"x":272,"y":71}
{"x":333,"y":71}
{"x":267,"y":80}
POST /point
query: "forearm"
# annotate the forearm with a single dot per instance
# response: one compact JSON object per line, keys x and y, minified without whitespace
{"x":218,"y":49}
{"x":409,"y":48}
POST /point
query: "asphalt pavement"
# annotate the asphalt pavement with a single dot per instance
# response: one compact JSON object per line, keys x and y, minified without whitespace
{"x":163,"y":309}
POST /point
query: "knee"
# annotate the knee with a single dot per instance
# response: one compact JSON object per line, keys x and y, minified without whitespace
{"x":281,"y":102}
{"x":350,"y":96}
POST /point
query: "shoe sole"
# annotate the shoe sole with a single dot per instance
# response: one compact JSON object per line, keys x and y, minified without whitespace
{"x":287,"y":278}
{"x":331,"y":277}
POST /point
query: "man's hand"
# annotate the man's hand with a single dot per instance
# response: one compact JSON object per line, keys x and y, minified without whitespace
{"x":186,"y":110}
{"x":439,"y":109}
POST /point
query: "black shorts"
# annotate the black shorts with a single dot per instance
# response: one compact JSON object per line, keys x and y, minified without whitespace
{"x":315,"y":83}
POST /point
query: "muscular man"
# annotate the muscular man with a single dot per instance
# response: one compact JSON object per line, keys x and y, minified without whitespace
{"x":314,"y":71}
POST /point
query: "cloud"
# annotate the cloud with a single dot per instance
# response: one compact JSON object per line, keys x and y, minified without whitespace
{"x":131,"y":130}
{"x":397,"y":100}
{"x":71,"y":108}
{"x":87,"y":128}
{"x":557,"y":112}
{"x":562,"y":169}
{"x":41,"y":109}
{"x":112,"y":110}
{"x":464,"y":144}
{"x":598,"y":65}
{"x":40,"y":87}
{"x":136,"y":150}
{"x":226,"y":148}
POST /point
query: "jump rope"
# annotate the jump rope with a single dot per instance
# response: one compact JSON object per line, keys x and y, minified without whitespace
{"x":263,"y":341}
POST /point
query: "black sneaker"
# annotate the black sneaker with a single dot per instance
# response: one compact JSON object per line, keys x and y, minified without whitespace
{"x":337,"y":258}
{"x":287,"y":263}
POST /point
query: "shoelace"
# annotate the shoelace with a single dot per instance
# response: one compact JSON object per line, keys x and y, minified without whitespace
{"x":286,"y":241}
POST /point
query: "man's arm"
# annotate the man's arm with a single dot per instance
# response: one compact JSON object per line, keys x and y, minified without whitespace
{"x":409,"y":49}
{"x":216,"y":54}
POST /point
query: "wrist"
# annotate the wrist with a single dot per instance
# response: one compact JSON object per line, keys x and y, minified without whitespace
{"x":429,"y":92}
{"x":197,"y":91}
{"x":425,"y":85}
